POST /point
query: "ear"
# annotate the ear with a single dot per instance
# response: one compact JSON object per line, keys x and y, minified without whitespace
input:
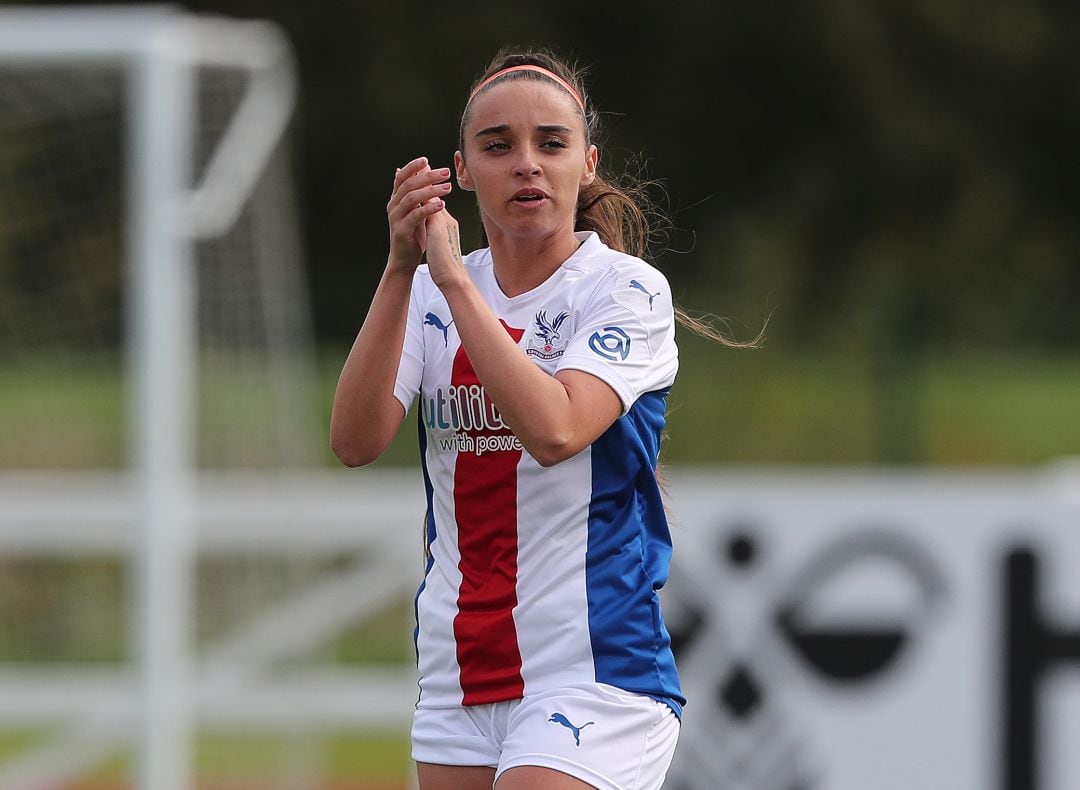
{"x":592,"y":157}
{"x":462,"y":173}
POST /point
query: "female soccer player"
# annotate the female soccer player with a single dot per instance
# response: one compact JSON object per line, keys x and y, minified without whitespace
{"x":542,"y":364}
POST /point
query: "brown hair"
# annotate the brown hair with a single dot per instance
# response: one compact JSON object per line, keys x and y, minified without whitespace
{"x":618,"y":209}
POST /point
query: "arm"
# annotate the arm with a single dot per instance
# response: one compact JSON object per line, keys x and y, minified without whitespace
{"x":366,"y":415}
{"x":556,"y":417}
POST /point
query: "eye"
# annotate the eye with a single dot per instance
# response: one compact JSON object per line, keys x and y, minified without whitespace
{"x":554,"y":142}
{"x":495,"y":145}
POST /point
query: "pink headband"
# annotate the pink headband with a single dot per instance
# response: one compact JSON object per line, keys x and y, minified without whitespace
{"x":538,"y":70}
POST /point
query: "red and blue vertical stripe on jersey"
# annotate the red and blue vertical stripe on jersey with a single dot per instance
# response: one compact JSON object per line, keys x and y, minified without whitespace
{"x":485,"y":503}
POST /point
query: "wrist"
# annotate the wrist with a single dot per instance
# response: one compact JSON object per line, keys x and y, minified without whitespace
{"x":455,"y":283}
{"x":401,"y":265}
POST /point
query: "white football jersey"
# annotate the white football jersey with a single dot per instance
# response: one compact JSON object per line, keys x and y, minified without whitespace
{"x":544,"y":577}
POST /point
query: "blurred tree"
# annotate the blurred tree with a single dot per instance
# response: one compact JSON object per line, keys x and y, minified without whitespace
{"x":866,"y":168}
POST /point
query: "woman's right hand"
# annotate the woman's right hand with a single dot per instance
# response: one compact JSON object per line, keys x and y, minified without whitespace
{"x":418,"y":193}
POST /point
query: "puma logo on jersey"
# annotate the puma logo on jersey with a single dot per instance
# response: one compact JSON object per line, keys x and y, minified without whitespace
{"x":558,"y":718}
{"x":644,"y":290}
{"x":433,"y":320}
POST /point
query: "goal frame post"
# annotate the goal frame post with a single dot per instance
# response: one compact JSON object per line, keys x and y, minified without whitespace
{"x":159,"y":50}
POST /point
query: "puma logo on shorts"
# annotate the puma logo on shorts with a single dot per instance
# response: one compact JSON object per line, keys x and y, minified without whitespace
{"x":558,"y":718}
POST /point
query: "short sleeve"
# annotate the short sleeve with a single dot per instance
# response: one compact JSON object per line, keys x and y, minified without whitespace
{"x":625,"y":335}
{"x":411,"y":367}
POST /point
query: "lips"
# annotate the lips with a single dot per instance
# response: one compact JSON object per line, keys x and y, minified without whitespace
{"x":529,"y":196}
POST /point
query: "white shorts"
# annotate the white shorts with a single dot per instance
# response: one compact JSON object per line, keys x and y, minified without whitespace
{"x":609,"y":738}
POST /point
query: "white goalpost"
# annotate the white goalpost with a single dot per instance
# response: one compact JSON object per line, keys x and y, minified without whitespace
{"x":157,"y":377}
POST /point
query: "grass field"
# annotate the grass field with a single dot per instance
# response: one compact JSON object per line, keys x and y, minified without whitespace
{"x":348,"y":761}
{"x":960,"y":410}
{"x":727,"y":407}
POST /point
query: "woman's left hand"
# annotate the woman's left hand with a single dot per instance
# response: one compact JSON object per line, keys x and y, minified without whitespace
{"x":444,"y":249}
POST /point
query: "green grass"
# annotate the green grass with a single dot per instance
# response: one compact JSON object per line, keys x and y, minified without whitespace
{"x":763,"y":407}
{"x":60,"y":412}
{"x":751,"y":407}
{"x":385,"y":638}
{"x":769,"y":406}
{"x":12,"y":743}
{"x":62,"y":610}
{"x":75,"y":610}
{"x":341,"y":759}
{"x":1018,"y":410}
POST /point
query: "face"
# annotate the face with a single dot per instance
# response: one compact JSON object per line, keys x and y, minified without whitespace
{"x":526,"y":157}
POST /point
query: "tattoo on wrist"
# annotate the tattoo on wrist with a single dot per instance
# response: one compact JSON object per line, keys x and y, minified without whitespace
{"x":455,"y":251}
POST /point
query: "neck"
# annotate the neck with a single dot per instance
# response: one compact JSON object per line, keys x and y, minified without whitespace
{"x":522,"y":264}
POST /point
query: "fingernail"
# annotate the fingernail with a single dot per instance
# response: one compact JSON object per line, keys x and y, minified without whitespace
{"x":444,"y":171}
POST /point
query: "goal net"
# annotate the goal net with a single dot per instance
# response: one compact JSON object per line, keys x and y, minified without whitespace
{"x":177,"y":587}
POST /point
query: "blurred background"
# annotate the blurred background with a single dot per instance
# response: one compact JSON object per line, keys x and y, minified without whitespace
{"x":892,"y":182}
{"x":889,"y":185}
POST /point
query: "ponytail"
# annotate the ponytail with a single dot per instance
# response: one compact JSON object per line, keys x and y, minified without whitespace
{"x":619,"y":210}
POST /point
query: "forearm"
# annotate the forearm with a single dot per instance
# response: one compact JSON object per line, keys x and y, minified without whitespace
{"x":366,"y":415}
{"x":536,"y":406}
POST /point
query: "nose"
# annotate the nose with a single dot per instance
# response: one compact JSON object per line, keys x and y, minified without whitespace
{"x":527,"y":162}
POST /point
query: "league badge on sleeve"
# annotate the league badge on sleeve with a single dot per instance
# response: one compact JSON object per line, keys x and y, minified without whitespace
{"x":612,"y":343}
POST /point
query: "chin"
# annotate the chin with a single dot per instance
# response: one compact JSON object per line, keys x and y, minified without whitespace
{"x":528,"y":227}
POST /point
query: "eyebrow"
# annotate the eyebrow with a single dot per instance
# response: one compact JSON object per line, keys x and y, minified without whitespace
{"x":547,"y":128}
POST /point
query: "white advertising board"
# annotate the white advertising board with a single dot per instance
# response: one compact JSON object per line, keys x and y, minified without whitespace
{"x":876,"y":631}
